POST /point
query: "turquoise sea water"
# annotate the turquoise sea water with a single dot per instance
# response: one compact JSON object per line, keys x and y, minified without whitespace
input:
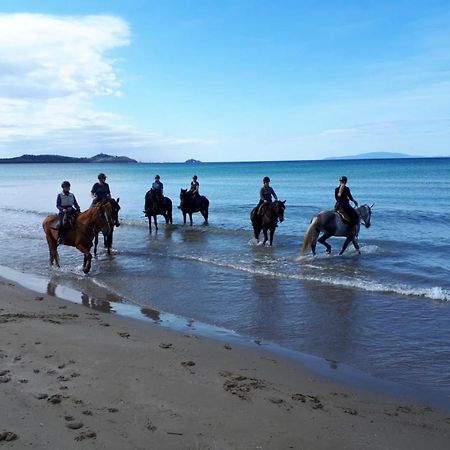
{"x":386,"y":312}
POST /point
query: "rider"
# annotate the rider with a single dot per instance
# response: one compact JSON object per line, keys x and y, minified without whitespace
{"x":265,"y":196}
{"x":343,"y":198}
{"x":194,"y":190}
{"x":157,"y":189}
{"x":100,"y":191}
{"x":67,"y":206}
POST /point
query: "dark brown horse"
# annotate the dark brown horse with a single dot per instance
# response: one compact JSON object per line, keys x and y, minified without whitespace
{"x":153,"y":208}
{"x":268,"y":220}
{"x":97,"y":217}
{"x":189,"y":205}
{"x":108,"y":237}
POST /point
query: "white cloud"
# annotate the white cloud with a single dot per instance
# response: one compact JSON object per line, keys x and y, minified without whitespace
{"x":51,"y":70}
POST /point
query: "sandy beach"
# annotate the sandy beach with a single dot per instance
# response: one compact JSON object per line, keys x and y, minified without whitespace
{"x":71,"y":377}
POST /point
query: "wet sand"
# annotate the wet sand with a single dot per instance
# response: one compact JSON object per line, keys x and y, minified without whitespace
{"x":71,"y":377}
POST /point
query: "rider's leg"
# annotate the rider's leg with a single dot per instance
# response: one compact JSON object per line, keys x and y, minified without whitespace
{"x":59,"y":241}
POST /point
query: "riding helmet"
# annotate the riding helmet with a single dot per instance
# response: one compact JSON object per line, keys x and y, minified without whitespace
{"x":157,"y":177}
{"x":101,"y":176}
{"x":65,"y":184}
{"x":194,"y":177}
{"x":266,"y":179}
{"x":343,"y":178}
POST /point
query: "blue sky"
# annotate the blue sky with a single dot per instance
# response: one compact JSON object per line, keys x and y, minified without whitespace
{"x":224,"y":80}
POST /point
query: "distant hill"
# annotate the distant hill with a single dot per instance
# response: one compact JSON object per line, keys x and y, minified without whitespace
{"x":374,"y":155}
{"x":100,"y":158}
{"x":192,"y":161}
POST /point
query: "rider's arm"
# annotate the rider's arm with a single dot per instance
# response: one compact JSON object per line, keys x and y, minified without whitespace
{"x":75,"y":204}
{"x":274,"y":195}
{"x":350,"y":197}
{"x":94,"y":190}
{"x":58,"y":203}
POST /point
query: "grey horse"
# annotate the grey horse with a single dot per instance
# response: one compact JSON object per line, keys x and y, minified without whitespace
{"x":331,"y":223}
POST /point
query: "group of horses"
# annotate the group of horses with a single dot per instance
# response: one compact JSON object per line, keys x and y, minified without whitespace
{"x":104,"y":216}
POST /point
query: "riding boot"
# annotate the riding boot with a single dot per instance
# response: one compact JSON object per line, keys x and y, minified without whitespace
{"x":60,"y":240}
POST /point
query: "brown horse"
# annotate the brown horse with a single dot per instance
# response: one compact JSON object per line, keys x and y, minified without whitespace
{"x":97,"y":217}
{"x":108,"y":238}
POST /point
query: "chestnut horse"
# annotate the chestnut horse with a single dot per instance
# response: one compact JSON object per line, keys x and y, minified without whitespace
{"x":97,"y":217}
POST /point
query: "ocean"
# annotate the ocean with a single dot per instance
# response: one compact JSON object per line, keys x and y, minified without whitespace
{"x":385,"y":313}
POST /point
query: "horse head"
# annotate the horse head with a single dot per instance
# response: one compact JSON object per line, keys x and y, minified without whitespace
{"x":278,"y":209}
{"x":104,"y":213}
{"x":365,"y":212}
{"x":184,"y":197}
{"x":115,"y":211}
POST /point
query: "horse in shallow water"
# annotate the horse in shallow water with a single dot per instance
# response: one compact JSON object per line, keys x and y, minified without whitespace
{"x":152,"y":208}
{"x":331,"y":223}
{"x":97,"y":217}
{"x":268,"y":220}
{"x":189,"y":205}
{"x":108,"y":237}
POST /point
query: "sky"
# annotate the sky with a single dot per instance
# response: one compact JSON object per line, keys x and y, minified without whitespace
{"x":224,"y":80}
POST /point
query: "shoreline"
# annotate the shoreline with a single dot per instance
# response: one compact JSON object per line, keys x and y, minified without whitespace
{"x":331,"y":370}
{"x":73,"y":376}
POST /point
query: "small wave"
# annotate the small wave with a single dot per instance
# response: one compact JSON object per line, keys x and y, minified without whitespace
{"x":434,"y":293}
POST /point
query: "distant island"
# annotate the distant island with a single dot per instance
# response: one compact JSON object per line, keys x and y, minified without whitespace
{"x":100,"y":158}
{"x":192,"y":161}
{"x":374,"y":155}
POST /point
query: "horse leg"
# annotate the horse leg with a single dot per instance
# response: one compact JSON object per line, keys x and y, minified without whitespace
{"x":347,"y":241}
{"x":107,"y":241}
{"x":266,"y":238}
{"x":95,"y":243}
{"x":150,"y":224}
{"x":205,"y":216}
{"x":356,"y":245}
{"x":190,"y":218}
{"x":272,"y":232}
{"x":256,"y":231}
{"x":322,"y":240}
{"x":156,"y":222}
{"x":53,"y":250}
{"x":184,"y":218}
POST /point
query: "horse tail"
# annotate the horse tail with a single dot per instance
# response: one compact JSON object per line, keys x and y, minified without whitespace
{"x":310,"y":236}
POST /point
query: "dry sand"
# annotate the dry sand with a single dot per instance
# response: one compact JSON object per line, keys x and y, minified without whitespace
{"x":71,"y":377}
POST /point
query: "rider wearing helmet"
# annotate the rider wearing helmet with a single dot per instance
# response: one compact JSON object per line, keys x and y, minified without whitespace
{"x":343,"y":198}
{"x":157,"y":190}
{"x":67,"y":206}
{"x":265,"y":196}
{"x":100,"y":191}
{"x":195,"y":187}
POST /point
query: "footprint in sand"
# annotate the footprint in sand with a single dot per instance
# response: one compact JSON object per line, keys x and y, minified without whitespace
{"x":74,"y":425}
{"x":166,"y":345}
{"x":188,"y":363}
{"x":5,"y":379}
{"x":55,"y":399}
{"x":89,"y":434}
{"x":123,"y":334}
{"x":8,"y":436}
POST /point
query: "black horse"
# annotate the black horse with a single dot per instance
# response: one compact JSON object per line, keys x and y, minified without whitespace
{"x":108,"y":236}
{"x":189,"y":205}
{"x":273,"y":213}
{"x":153,"y":207}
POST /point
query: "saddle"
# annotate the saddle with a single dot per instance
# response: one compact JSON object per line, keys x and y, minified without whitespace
{"x":345,"y":218}
{"x":68,"y":223}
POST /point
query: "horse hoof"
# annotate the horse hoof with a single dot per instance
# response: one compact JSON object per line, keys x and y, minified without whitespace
{"x":328,"y":252}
